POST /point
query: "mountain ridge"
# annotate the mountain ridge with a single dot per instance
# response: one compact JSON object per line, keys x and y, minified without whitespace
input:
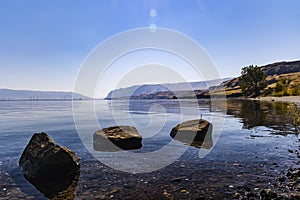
{"x":141,"y":91}
{"x":12,"y":94}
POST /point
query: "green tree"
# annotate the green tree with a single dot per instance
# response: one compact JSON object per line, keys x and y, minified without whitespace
{"x":252,"y":81}
{"x":281,"y":88}
{"x":296,"y":91}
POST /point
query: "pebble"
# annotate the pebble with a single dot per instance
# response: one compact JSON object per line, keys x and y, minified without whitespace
{"x":250,"y":194}
{"x":100,"y":197}
{"x":236,"y":195}
{"x":281,"y":179}
{"x":183,"y":191}
{"x":268,"y":194}
{"x":295,"y":195}
{"x":176,"y":180}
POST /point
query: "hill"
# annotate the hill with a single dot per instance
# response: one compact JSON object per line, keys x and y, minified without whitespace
{"x":274,"y":73}
{"x":8,"y":94}
{"x":162,"y":91}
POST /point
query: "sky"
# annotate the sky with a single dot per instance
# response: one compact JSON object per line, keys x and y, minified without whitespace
{"x":43,"y":44}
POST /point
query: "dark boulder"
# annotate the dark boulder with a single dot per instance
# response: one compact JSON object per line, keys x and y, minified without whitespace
{"x":49,"y":167}
{"x":62,"y":188}
{"x":197,"y":133}
{"x":116,"y":138}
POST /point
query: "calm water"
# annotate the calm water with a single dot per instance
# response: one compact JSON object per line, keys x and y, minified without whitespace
{"x":252,"y":134}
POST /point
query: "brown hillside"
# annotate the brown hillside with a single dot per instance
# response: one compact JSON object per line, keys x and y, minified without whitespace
{"x":274,"y":72}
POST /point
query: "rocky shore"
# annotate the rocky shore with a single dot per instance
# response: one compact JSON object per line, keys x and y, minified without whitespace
{"x":286,"y":185}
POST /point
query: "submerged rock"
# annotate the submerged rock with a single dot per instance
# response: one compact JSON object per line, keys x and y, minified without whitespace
{"x":196,"y":133}
{"x":51,"y":168}
{"x":116,"y":138}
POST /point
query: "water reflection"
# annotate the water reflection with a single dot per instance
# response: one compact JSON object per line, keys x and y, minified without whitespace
{"x":282,"y":117}
{"x":177,"y":106}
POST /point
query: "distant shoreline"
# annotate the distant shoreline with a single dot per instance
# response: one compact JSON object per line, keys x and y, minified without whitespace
{"x":45,"y":99}
{"x":291,"y":99}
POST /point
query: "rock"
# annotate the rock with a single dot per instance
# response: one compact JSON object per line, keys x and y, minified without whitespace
{"x":295,"y":174}
{"x":61,"y":188}
{"x":197,"y":133}
{"x":52,"y":169}
{"x":295,"y":195}
{"x":44,"y":159}
{"x":184,"y":191}
{"x":165,"y":193}
{"x":116,"y":138}
{"x":250,"y":194}
{"x":236,"y":195}
{"x":267,"y":194}
{"x":177,"y":179}
{"x":281,"y":179}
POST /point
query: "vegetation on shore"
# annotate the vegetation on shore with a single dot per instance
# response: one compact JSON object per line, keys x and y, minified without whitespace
{"x":252,"y":81}
{"x":284,"y":87}
{"x":279,"y":79}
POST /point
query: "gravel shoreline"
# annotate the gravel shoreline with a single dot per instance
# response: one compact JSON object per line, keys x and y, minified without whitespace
{"x":292,"y":99}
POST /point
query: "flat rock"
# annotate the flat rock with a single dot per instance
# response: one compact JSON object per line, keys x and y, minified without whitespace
{"x":197,"y":133}
{"x":116,"y":138}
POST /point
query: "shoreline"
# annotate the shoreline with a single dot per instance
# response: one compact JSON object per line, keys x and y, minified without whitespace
{"x":291,"y":99}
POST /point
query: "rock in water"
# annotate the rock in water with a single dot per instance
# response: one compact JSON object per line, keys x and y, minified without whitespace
{"x":196,"y":133}
{"x":116,"y":138}
{"x":48,"y":166}
{"x":61,"y":188}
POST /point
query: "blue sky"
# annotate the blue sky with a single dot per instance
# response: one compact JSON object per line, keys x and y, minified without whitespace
{"x":43,"y":43}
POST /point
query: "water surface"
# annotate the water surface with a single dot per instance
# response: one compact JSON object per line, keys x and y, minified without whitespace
{"x":255,"y":135}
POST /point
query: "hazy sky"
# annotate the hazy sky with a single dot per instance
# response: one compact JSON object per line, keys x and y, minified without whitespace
{"x":43,"y":43}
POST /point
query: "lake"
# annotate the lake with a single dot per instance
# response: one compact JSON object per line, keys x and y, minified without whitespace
{"x":252,"y":146}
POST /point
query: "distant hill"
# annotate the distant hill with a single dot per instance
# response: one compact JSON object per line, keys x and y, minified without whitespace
{"x":162,"y":91}
{"x":8,"y":94}
{"x":274,"y":72}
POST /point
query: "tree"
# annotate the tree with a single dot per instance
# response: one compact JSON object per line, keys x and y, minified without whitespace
{"x":252,"y":81}
{"x":296,"y":91}
{"x":281,"y":88}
